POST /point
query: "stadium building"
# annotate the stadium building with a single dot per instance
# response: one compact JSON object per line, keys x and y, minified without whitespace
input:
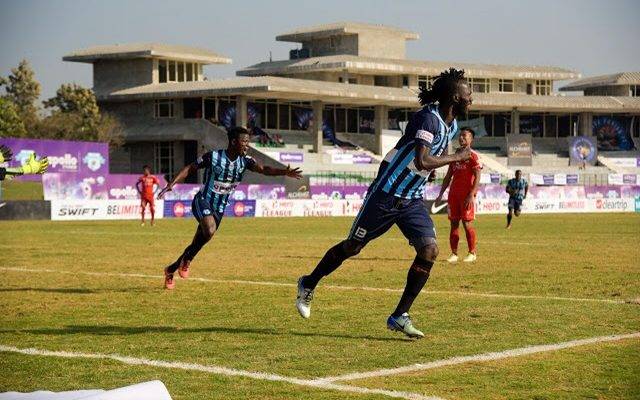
{"x":344,"y":83}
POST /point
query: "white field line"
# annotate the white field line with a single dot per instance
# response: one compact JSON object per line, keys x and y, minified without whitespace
{"x":217,"y":370}
{"x":480,"y":357}
{"x":336,"y":287}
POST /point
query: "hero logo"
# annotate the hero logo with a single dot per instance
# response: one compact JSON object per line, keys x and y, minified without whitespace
{"x":178,"y":209}
{"x":238,"y":209}
{"x":93,"y":161}
{"x":66,"y":162}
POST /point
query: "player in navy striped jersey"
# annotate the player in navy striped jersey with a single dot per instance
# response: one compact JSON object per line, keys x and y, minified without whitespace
{"x":395,"y":196}
{"x":223,"y":171}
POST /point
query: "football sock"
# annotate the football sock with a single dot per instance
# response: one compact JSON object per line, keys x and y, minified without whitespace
{"x":190,"y":251}
{"x":331,"y":260}
{"x":454,"y":238}
{"x":509,"y":219}
{"x":416,"y":279}
{"x":471,"y":238}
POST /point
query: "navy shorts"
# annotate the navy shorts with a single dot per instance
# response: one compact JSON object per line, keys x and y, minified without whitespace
{"x":202,"y":208}
{"x":515,"y":204}
{"x":381,"y":210}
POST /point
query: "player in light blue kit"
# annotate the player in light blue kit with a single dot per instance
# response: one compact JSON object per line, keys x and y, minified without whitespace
{"x":518,"y":188}
{"x":223,"y":171}
{"x":396,"y":195}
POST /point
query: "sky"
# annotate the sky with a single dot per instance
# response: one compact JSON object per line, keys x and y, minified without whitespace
{"x":592,"y":37}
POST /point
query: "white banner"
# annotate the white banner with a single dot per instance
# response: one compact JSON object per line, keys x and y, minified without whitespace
{"x":307,"y":208}
{"x":75,"y":210}
{"x":542,"y":206}
{"x":624,"y":162}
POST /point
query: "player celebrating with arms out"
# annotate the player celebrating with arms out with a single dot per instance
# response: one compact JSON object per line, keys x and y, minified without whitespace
{"x":146,"y":186}
{"x":223,"y":170}
{"x":518,"y":188}
{"x":395,"y":196}
{"x":462,"y":196}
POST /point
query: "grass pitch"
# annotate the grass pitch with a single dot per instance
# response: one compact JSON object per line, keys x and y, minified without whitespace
{"x":74,"y":297}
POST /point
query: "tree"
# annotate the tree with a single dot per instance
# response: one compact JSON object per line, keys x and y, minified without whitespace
{"x":23,"y":90}
{"x":75,"y":115}
{"x":10,"y":122}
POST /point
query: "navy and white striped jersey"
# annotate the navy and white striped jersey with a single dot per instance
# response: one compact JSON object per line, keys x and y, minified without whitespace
{"x":518,"y":188}
{"x":397,"y":174}
{"x":221,"y":176}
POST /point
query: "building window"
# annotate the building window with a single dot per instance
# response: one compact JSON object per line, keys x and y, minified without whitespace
{"x":172,"y":71}
{"x":425,"y":82}
{"x":189,"y":72}
{"x":543,"y":88}
{"x":405,"y":81}
{"x":380,"y":80}
{"x":180,"y":72}
{"x":196,"y":72}
{"x":163,"y":158}
{"x":164,"y":109}
{"x":479,"y":85}
{"x":505,"y":85}
{"x":353,"y":81}
{"x":162,"y":71}
{"x":635,"y":90}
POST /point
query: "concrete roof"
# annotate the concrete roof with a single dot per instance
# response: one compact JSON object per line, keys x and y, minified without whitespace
{"x":382,"y":66}
{"x":621,"y":78}
{"x":341,"y":28}
{"x":146,"y":50}
{"x":341,"y":93}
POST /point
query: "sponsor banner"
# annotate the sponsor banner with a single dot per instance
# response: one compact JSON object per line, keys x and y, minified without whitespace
{"x":307,"y":208}
{"x":542,"y":206}
{"x":182,"y":209}
{"x":74,"y":210}
{"x":349,"y":192}
{"x":490,"y":178}
{"x":553,"y":179}
{"x":624,"y":179}
{"x":582,"y":150}
{"x":183,"y":191}
{"x":624,"y":162}
{"x":637,"y":201}
{"x":186,"y":191}
{"x":61,"y":186}
{"x":349,"y":158}
{"x":84,"y":158}
{"x":519,"y":150}
{"x":286,"y":157}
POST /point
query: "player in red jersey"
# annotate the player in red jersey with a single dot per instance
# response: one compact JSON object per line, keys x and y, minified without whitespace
{"x":464,"y":177}
{"x":147,"y":185}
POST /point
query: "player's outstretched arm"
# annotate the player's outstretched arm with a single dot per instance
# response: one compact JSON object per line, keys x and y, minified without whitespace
{"x":31,"y":167}
{"x":270,"y":171}
{"x":182,"y":175}
{"x":425,"y":161}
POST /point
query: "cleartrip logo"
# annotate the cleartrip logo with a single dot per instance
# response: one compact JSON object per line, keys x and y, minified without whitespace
{"x":93,"y":161}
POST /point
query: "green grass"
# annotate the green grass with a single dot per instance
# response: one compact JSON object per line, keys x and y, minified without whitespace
{"x":18,"y":190}
{"x":256,"y":328}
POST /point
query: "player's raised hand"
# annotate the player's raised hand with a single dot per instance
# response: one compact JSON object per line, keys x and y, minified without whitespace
{"x":164,"y":191}
{"x":5,"y":153}
{"x":33,"y":166}
{"x":293,"y":173}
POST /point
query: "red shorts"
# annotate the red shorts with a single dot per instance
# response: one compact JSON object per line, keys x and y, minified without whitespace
{"x":147,"y":200}
{"x":457,"y":210}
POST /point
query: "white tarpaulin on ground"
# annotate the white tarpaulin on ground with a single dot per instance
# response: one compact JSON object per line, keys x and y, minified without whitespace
{"x":74,"y":210}
{"x":152,"y":390}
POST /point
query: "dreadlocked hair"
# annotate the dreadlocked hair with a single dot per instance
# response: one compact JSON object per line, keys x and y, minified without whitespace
{"x":442,"y":88}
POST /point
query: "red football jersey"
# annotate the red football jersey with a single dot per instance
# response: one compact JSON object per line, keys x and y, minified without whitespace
{"x":147,"y":185}
{"x":463,"y":174}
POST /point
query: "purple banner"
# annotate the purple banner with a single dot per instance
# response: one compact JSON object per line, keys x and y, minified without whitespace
{"x":572,"y":179}
{"x":259,"y":192}
{"x":349,"y":192}
{"x":287,"y":157}
{"x":629,"y":179}
{"x":61,"y":186}
{"x":362,"y":159}
{"x":83,"y":158}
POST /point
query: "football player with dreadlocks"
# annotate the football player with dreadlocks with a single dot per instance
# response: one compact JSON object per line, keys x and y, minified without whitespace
{"x":395,"y":196}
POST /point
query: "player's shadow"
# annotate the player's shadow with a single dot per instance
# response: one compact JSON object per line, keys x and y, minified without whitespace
{"x":108,"y":330}
{"x":76,"y":290}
